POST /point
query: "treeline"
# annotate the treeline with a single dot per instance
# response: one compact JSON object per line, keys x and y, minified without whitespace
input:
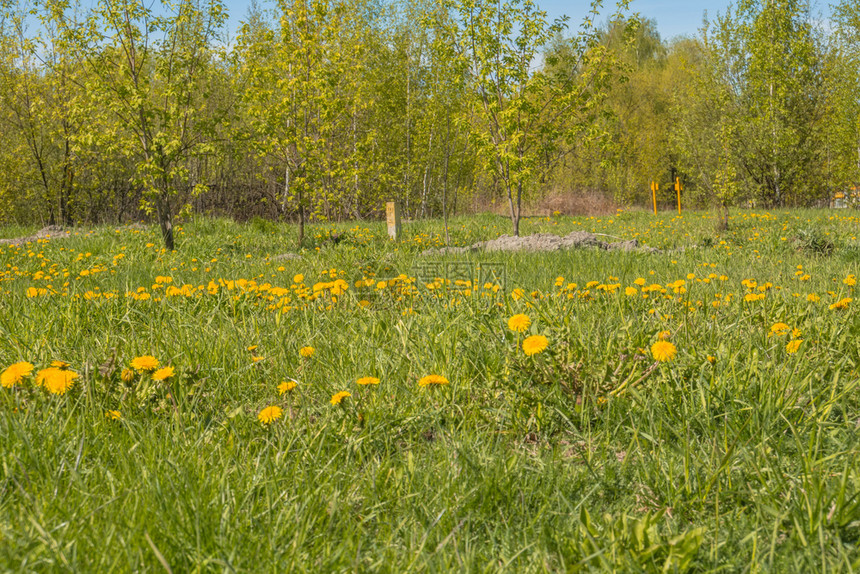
{"x":324,"y":109}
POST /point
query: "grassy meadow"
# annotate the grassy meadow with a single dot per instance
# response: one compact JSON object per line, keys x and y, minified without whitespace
{"x":695,"y":410}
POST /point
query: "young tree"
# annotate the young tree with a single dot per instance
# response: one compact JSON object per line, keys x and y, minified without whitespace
{"x":150,"y":71}
{"x":40,"y":97}
{"x":524,"y":113}
{"x":300,"y":97}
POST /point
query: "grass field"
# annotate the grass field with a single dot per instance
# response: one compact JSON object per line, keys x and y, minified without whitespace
{"x":736,"y":452}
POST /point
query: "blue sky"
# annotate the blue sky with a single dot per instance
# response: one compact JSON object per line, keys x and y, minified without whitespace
{"x":674,"y":17}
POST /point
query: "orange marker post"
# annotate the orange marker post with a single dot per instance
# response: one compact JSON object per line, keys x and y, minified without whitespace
{"x":678,"y":191}
{"x":654,"y":186}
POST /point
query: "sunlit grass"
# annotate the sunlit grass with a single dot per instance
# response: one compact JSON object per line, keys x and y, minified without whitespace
{"x":737,"y":451}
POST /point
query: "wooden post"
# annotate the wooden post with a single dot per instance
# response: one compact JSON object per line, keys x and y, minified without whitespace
{"x":392,"y":217}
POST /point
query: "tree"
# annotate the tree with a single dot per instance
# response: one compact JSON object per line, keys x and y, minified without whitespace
{"x":522,"y":114}
{"x":768,"y":57}
{"x":149,"y":71}
{"x":40,"y":96}
{"x":302,"y":95}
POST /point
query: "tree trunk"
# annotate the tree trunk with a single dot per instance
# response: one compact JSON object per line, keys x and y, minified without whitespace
{"x":445,"y":178}
{"x":165,"y":222}
{"x":286,"y":190}
{"x":722,"y":217}
{"x":519,"y":209}
{"x":301,"y":221}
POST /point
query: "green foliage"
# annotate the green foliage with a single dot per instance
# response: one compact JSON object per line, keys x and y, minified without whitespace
{"x":814,"y":240}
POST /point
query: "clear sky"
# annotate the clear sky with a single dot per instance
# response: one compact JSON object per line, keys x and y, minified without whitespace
{"x":674,"y":17}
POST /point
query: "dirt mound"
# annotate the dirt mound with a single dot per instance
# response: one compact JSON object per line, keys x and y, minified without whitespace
{"x":50,"y":232}
{"x":545,"y":242}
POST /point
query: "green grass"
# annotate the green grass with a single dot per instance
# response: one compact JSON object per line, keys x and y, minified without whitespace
{"x":735,"y":456}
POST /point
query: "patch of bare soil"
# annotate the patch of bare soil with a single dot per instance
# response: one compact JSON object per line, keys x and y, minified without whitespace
{"x":546,"y":242}
{"x":50,"y":232}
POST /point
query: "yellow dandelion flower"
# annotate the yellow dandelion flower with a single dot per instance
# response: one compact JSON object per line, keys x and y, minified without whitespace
{"x":113,"y":415}
{"x":813,"y":298}
{"x":535,"y":344}
{"x":338,"y":397}
{"x":57,"y":381}
{"x":252,"y":348}
{"x":257,"y":359}
{"x":663,"y":335}
{"x":432,"y":380}
{"x":162,"y":374}
{"x":842,"y":303}
{"x":368,"y":381}
{"x":519,"y":323}
{"x":286,"y":386}
{"x":307,"y":352}
{"x":144,"y":363}
{"x":630,"y":291}
{"x":779,"y":329}
{"x":270,"y":414}
{"x":297,"y":279}
{"x":15,"y":373}
{"x":792,"y":346}
{"x":796,"y":333}
{"x":60,"y":364}
{"x":127,"y":375}
{"x":663,"y":351}
{"x":712,"y":359}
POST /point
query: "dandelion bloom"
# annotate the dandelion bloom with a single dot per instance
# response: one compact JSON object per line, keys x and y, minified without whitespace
{"x":712,"y":359}
{"x":792,"y":346}
{"x":56,"y":381}
{"x":257,"y":359}
{"x":664,"y":335}
{"x":432,"y":380}
{"x":113,"y":415}
{"x":842,"y":303}
{"x":663,"y":351}
{"x":270,"y":414}
{"x":519,"y":323}
{"x":162,"y":374}
{"x":252,"y":348}
{"x":338,"y":397}
{"x":368,"y":381}
{"x":307,"y":352}
{"x":630,"y":291}
{"x":286,"y":386}
{"x":535,"y":344}
{"x":298,"y":278}
{"x":812,"y":297}
{"x":60,"y":364}
{"x":127,"y":375}
{"x":144,"y":363}
{"x":779,"y":329}
{"x":15,"y":373}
